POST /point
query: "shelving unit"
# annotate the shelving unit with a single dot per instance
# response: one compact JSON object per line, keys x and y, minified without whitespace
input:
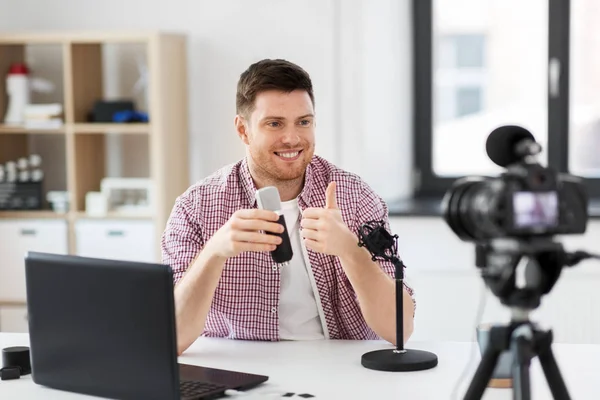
{"x":80,"y":151}
{"x":17,"y":130}
{"x":134,"y":128}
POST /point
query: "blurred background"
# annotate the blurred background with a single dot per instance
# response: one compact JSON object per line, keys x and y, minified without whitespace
{"x":111,"y":109}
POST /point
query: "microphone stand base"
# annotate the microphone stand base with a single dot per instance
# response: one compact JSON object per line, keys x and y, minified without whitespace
{"x":399,"y":361}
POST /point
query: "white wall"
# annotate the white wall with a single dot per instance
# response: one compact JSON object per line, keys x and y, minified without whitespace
{"x":3,"y":15}
{"x":375,"y":93}
{"x":357,"y":53}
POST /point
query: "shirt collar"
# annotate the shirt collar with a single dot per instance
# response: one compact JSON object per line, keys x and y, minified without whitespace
{"x":247,"y":182}
{"x":305,"y":194}
{"x":250,"y":187}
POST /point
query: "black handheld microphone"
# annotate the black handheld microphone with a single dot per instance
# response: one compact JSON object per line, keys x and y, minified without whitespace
{"x":268,"y":199}
{"x":510,"y":144}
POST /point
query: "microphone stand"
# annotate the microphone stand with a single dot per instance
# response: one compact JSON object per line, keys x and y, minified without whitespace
{"x":381,"y":244}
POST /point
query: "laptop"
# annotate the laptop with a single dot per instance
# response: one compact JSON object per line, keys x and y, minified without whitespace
{"x":107,"y":328}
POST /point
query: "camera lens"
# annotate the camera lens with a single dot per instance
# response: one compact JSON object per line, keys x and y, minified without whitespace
{"x":471,"y":208}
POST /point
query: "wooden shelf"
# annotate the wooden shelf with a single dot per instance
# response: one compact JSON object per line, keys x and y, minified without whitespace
{"x":108,"y":128}
{"x":87,"y":152}
{"x":12,"y":303}
{"x":84,"y":215}
{"x":80,"y":128}
{"x":82,"y":37}
{"x":31,"y":214}
{"x":19,"y":130}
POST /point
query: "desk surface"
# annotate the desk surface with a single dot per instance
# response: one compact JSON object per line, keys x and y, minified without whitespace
{"x":332,"y":370}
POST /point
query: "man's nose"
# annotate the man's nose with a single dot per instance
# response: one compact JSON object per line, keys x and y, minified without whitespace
{"x":291,"y":137}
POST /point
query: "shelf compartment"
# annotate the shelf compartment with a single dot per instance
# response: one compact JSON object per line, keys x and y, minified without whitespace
{"x":44,"y":61}
{"x":105,"y":72}
{"x":21,"y":130}
{"x":51,"y":148}
{"x":116,"y":239}
{"x":111,"y":128}
{"x":22,"y":236}
{"x":99,"y":155}
{"x":31,"y":214}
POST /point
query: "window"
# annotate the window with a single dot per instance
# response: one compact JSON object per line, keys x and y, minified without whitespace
{"x":468,"y":100}
{"x":584,"y":112}
{"x":460,"y":76}
{"x":481,"y":64}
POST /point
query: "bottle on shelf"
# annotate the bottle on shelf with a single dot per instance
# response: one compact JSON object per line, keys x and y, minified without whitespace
{"x":17,"y":88}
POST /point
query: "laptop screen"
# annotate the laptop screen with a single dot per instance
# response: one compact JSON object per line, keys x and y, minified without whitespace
{"x":102,"y":327}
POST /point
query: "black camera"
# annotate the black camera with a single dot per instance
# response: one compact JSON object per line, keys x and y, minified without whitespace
{"x":511,"y":218}
{"x":526,"y":200}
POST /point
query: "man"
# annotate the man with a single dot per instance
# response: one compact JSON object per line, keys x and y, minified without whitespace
{"x":217,"y":241}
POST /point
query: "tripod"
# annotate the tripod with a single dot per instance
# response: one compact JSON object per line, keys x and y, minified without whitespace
{"x":525,"y":341}
{"x":521,"y":337}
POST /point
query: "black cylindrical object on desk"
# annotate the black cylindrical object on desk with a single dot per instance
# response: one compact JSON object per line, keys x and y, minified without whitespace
{"x":17,"y":356}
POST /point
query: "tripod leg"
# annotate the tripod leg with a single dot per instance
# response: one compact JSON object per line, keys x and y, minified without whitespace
{"x":553,"y":376}
{"x":522,"y":354}
{"x":483,"y":374}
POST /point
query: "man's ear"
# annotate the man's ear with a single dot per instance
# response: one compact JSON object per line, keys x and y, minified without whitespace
{"x":241,"y":128}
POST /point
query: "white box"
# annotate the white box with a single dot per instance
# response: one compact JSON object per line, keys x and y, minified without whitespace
{"x":116,"y":239}
{"x":128,"y":196}
{"x":17,"y":237}
{"x":96,"y":204}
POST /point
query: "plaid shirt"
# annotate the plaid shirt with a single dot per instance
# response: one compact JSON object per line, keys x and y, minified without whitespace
{"x":246,"y":299}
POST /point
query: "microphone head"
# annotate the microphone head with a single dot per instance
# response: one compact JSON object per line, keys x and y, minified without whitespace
{"x":502,"y":142}
{"x":268,"y":198}
{"x":377,"y":240}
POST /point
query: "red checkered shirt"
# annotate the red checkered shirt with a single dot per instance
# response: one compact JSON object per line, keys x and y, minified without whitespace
{"x":247,"y":295}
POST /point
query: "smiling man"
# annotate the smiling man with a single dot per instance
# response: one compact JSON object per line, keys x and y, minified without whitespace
{"x":218,"y":244}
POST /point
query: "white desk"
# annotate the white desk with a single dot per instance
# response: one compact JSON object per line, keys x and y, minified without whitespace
{"x":332,"y":370}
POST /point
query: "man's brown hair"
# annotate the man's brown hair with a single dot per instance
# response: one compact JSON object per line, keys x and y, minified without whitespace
{"x":270,"y":75}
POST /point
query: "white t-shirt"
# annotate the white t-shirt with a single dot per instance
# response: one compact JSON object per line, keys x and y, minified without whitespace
{"x":300,"y":316}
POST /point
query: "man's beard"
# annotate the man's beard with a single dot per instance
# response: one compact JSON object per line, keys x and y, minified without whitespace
{"x":268,"y":167}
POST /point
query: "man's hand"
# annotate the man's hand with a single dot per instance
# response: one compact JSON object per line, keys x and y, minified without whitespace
{"x":324,"y":230}
{"x":246,"y":230}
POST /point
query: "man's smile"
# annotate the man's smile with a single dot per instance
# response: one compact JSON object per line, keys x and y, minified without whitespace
{"x":289,"y":155}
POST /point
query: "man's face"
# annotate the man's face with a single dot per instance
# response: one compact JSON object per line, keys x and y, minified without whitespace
{"x":280,"y":134}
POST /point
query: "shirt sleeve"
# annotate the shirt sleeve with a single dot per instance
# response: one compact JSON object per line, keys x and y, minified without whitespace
{"x":371,"y":207}
{"x":181,"y":240}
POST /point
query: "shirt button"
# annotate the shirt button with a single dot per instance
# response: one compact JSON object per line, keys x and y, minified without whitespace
{"x":273,"y":310}
{"x":274,"y":267}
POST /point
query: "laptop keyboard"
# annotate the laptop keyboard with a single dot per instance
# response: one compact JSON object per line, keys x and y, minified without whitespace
{"x":234,"y":380}
{"x":200,"y":390}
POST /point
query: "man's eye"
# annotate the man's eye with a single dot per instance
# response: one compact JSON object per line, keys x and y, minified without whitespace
{"x":274,"y":124}
{"x":305,"y":122}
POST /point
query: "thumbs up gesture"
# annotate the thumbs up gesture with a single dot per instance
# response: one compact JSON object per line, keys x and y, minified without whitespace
{"x":324,"y":230}
{"x":330,"y":201}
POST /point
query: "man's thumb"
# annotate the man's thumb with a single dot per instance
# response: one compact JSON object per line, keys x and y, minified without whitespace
{"x":330,"y":201}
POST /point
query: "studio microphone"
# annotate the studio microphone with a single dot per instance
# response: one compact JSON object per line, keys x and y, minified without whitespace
{"x":268,"y":199}
{"x":510,"y":144}
{"x":381,"y":244}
